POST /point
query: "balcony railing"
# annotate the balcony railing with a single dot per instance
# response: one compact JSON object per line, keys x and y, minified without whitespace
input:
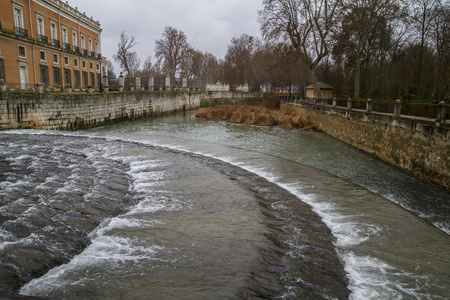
{"x":66,"y":46}
{"x":84,"y":51}
{"x":99,"y":55}
{"x":76,"y":49}
{"x":42,"y":38}
{"x":56,"y":43}
{"x":21,"y":32}
{"x":91,"y":54}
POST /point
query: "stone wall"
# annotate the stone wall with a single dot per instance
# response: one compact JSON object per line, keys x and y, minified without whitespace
{"x":60,"y":111}
{"x":420,"y":149}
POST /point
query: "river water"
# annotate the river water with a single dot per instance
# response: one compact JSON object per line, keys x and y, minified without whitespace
{"x":176,"y":207}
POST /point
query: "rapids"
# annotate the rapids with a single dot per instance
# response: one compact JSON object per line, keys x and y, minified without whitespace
{"x":176,"y":207}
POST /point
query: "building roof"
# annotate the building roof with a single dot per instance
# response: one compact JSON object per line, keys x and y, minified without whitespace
{"x":322,"y":86}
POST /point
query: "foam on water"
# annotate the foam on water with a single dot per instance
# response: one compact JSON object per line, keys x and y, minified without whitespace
{"x":108,"y":251}
{"x":31,"y":240}
{"x":370,"y":278}
{"x":5,"y":236}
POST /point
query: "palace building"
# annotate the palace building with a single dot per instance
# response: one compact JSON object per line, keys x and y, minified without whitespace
{"x":48,"y":42}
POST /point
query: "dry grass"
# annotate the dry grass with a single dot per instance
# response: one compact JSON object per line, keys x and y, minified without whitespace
{"x":253,"y":115}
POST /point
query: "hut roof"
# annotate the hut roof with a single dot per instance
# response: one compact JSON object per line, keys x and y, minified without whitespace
{"x":322,"y":86}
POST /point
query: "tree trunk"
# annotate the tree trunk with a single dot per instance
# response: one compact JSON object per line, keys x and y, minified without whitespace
{"x":357,"y":77}
{"x":312,"y":77}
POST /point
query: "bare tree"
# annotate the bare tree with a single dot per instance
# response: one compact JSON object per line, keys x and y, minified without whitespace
{"x":171,"y":48}
{"x":133,"y":64}
{"x":441,"y":36}
{"x":364,"y":28}
{"x":239,"y":64}
{"x":147,"y":68}
{"x":424,"y":12}
{"x":110,"y":70}
{"x":191,"y":63}
{"x":128,"y":60}
{"x":306,"y":24}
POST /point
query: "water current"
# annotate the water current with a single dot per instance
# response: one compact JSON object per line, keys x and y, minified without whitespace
{"x":176,"y":207}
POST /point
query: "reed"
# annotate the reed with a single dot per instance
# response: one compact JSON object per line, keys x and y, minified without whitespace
{"x":254,"y":115}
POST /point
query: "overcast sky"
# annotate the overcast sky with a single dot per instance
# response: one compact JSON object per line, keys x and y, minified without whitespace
{"x":208,"y":24}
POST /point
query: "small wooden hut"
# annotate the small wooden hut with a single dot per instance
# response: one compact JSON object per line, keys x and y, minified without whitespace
{"x":327,"y":91}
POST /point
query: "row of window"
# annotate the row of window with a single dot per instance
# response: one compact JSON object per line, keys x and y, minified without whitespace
{"x":43,"y":58}
{"x":88,"y":78}
{"x":18,"y":23}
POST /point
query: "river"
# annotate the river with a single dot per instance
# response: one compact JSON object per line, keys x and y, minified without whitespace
{"x":178,"y":207}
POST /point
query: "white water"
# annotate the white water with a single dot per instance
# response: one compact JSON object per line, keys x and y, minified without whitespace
{"x":388,"y":252}
{"x":373,"y":273}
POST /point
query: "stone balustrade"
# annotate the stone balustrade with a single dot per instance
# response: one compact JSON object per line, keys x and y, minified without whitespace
{"x":349,"y":110}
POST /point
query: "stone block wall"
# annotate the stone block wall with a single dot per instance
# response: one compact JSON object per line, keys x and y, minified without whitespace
{"x":422,"y":150}
{"x":62,"y":111}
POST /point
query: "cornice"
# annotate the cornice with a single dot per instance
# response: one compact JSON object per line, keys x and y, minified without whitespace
{"x":66,"y":11}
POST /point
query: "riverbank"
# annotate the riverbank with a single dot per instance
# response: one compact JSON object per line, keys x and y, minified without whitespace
{"x":256,"y":115}
{"x":75,"y":111}
{"x":425,"y":157}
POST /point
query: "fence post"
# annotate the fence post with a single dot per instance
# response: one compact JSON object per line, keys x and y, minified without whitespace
{"x":167,"y":81}
{"x":39,"y":88}
{"x":369,"y":105}
{"x":2,"y":86}
{"x":121,"y":82}
{"x":105,"y":80}
{"x":151,"y":83}
{"x":334,"y":102}
{"x":442,"y":111}
{"x":398,"y":108}
{"x":349,"y":104}
{"x":185,"y":83}
{"x":138,"y":83}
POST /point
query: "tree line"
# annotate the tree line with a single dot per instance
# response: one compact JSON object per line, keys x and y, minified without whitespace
{"x":379,"y":49}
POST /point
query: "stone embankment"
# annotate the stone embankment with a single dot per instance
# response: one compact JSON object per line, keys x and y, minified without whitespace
{"x":67,"y":111}
{"x":419,"y":147}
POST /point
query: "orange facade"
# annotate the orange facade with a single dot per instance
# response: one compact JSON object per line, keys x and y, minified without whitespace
{"x":50,"y":43}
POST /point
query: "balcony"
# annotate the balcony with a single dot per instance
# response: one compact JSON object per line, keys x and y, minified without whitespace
{"x":56,"y":43}
{"x":91,"y":54}
{"x":21,"y":32}
{"x":99,"y":56}
{"x":42,"y":38}
{"x":84,"y":52}
{"x":66,"y":47}
{"x":76,"y":49}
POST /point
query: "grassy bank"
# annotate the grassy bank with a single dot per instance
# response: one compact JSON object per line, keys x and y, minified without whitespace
{"x":255,"y":115}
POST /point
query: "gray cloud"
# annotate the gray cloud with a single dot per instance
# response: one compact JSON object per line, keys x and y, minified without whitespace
{"x":208,"y":24}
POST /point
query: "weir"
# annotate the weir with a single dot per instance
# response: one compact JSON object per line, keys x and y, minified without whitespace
{"x":74,"y":111}
{"x":182,"y":198}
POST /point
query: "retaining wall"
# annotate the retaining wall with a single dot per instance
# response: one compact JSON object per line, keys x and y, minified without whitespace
{"x":60,"y":111}
{"x":420,"y":148}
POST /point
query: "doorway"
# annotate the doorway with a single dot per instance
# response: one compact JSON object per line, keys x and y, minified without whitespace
{"x":23,"y":77}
